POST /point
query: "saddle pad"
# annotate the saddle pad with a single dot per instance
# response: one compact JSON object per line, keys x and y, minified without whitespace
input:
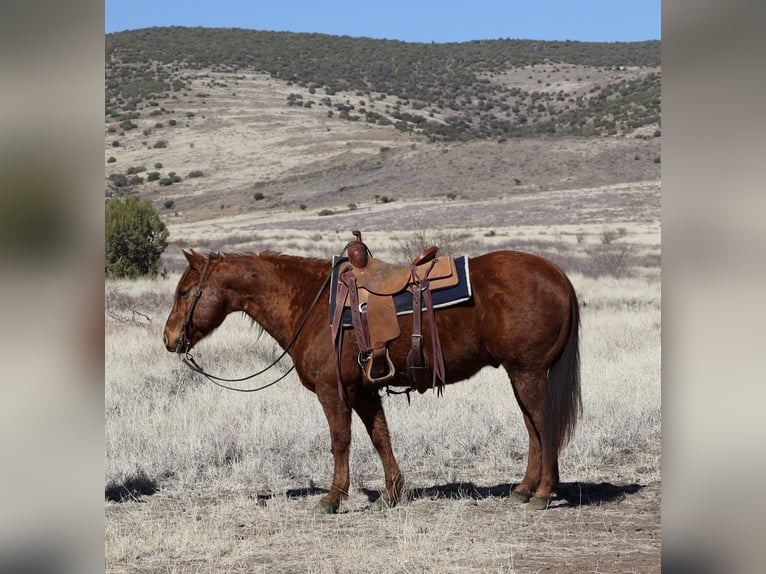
{"x":403,"y":301}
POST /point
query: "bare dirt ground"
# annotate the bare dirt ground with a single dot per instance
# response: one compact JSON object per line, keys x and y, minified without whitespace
{"x":297,"y":180}
{"x":454,"y":527}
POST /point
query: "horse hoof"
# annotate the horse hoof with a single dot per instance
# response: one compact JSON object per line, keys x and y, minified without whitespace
{"x":384,"y":503}
{"x":327,"y":507}
{"x":519,"y":497}
{"x":538,"y":503}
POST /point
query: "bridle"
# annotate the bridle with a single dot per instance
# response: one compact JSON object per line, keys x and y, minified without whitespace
{"x":184,"y":344}
{"x":189,"y":361}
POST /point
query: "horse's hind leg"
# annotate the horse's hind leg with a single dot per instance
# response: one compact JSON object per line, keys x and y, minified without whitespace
{"x":527,"y":487}
{"x":541,"y":477}
{"x":368,"y":406}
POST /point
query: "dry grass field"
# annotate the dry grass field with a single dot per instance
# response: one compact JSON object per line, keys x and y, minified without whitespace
{"x":199,"y":479}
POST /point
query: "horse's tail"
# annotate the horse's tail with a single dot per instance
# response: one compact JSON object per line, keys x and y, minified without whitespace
{"x":563,"y":403}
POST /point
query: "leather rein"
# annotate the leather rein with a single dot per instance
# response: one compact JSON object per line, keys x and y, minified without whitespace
{"x":189,"y":361}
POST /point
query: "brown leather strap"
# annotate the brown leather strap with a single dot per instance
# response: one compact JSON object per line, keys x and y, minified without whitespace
{"x":415,"y":362}
{"x":438,"y":357}
{"x":420,"y":287}
{"x":337,"y":335}
{"x":362,"y":336}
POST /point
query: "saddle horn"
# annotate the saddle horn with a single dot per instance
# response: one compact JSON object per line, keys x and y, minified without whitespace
{"x":357,"y":251}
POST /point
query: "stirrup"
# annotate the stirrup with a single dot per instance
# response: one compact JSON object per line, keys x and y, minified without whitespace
{"x":386,"y":376}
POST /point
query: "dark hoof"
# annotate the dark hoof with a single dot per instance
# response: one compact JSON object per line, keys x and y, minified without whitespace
{"x":384,"y":503}
{"x":327,"y":507}
{"x":537,"y":503}
{"x":519,"y":497}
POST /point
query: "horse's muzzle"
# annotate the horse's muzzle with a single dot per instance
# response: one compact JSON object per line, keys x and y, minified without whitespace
{"x":175,"y":346}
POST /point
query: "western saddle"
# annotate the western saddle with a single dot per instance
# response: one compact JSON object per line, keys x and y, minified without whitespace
{"x":367,"y":286}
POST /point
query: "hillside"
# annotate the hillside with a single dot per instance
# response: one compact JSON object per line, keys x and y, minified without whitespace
{"x":209,"y":123}
{"x":461,"y":91}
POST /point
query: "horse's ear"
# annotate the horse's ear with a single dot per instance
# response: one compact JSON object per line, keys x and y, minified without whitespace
{"x":192,"y":256}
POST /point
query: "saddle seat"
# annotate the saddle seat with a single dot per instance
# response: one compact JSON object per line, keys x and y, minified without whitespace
{"x":385,"y":279}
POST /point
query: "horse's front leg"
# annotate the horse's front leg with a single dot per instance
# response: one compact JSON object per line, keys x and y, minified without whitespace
{"x":369,"y":407}
{"x":338,"y":416}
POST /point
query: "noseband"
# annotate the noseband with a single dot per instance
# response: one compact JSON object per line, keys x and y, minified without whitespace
{"x":184,"y":343}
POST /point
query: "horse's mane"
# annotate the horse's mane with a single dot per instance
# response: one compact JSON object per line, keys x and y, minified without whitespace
{"x":271,"y":255}
{"x":276,"y":255}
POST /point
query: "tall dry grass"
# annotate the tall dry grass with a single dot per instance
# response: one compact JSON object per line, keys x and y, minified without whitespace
{"x":166,"y":422}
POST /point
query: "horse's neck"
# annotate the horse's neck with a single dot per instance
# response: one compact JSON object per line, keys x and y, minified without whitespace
{"x":276,"y":291}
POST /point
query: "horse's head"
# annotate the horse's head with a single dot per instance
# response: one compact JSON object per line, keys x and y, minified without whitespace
{"x":198,"y":307}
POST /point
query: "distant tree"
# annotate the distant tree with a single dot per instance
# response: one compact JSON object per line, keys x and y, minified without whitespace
{"x":135,"y":238}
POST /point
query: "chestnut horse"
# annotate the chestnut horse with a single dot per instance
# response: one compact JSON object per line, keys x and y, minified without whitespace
{"x":523,"y":316}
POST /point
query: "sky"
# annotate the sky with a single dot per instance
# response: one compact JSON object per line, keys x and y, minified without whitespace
{"x":408,"y":21}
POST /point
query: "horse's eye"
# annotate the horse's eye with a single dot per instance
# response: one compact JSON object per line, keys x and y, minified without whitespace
{"x":183,"y":292}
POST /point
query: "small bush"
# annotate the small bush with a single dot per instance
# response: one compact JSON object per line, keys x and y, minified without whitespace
{"x":612,"y":259}
{"x":326,"y":212}
{"x":119,"y":180}
{"x":196,"y":173}
{"x":166,"y":181}
{"x":607,"y":236}
{"x":258,"y":196}
{"x":135,"y":238}
{"x":169,"y":203}
{"x":158,"y":165}
{"x":153,"y":176}
{"x":160,"y":144}
{"x":112,"y":159}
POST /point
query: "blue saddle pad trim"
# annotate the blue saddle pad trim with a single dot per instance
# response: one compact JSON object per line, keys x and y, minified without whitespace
{"x":460,"y":293}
